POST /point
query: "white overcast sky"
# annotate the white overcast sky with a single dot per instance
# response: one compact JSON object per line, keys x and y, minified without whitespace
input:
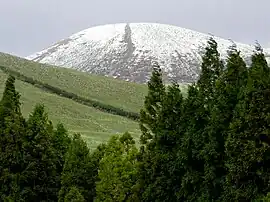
{"x":27,"y":26}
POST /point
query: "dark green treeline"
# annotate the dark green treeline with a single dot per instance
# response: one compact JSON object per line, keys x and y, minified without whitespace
{"x":212,"y":145}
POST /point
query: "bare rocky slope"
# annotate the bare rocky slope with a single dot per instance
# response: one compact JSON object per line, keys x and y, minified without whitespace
{"x":127,"y":51}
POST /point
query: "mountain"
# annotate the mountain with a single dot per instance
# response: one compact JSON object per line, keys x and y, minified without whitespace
{"x":127,"y":51}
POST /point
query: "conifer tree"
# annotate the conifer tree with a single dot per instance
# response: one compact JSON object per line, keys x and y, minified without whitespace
{"x":211,"y":69}
{"x":61,"y":140}
{"x":118,"y":171}
{"x":196,"y":158}
{"x":60,"y":143}
{"x":152,"y":105}
{"x":247,"y":152}
{"x":159,"y":178}
{"x":10,"y":102}
{"x":41,"y":172}
{"x":96,"y":157}
{"x":149,"y":124}
{"x":12,"y":131}
{"x":78,"y":165}
{"x":170,"y":118}
{"x":233,"y":79}
{"x":191,"y":146}
{"x":227,"y":89}
{"x":166,"y":171}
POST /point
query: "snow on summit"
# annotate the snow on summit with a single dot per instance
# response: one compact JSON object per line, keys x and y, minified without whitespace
{"x":127,"y":51}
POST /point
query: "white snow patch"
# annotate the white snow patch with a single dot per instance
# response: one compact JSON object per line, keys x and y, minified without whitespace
{"x":102,"y":50}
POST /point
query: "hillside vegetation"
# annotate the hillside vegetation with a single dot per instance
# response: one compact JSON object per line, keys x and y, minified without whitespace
{"x":94,"y":125}
{"x":121,"y":94}
{"x":110,"y":97}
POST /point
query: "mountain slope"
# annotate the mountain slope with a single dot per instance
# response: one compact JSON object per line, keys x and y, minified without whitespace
{"x":121,"y":94}
{"x":94,"y":125}
{"x":126,"y":51}
{"x":124,"y":95}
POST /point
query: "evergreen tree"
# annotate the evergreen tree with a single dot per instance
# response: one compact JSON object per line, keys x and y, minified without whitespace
{"x":158,"y":176}
{"x":152,"y":105}
{"x":80,"y":170}
{"x":149,"y":124}
{"x":74,"y":195}
{"x":40,"y":173}
{"x":191,"y":146}
{"x":170,"y":118}
{"x":246,"y":150}
{"x":12,"y":131}
{"x":166,"y":170}
{"x":198,"y":145}
{"x":227,"y":89}
{"x":211,"y":69}
{"x":232,"y":81}
{"x":10,"y":103}
{"x":96,"y":157}
{"x":60,"y":142}
{"x":118,"y":171}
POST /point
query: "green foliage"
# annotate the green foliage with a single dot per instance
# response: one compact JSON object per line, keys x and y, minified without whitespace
{"x":152,"y":104}
{"x":79,"y":170}
{"x":28,"y":155}
{"x":170,"y":118}
{"x":226,"y":90}
{"x":74,"y":195}
{"x":149,"y":124}
{"x":159,"y":170}
{"x":247,"y":146}
{"x":118,"y":170}
{"x":213,"y":145}
{"x":12,"y":130}
{"x":190,"y":153}
{"x":40,"y":175}
{"x":263,"y":199}
{"x":211,"y":69}
{"x":198,"y":152}
{"x":10,"y":104}
{"x":60,"y":143}
{"x":96,"y":157}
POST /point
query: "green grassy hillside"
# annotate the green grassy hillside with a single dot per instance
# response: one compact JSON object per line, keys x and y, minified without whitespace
{"x":121,"y":94}
{"x":124,"y":95}
{"x":94,"y":125}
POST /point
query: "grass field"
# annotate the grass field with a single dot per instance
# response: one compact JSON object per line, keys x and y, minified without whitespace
{"x":125,"y":95}
{"x":121,"y":94}
{"x":94,"y":125}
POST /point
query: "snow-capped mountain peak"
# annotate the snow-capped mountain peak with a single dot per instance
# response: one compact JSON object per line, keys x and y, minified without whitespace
{"x":126,"y":51}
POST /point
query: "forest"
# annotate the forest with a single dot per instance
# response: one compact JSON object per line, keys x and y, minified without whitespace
{"x":211,"y":145}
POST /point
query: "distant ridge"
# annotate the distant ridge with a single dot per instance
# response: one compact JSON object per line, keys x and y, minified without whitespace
{"x":126,"y":51}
